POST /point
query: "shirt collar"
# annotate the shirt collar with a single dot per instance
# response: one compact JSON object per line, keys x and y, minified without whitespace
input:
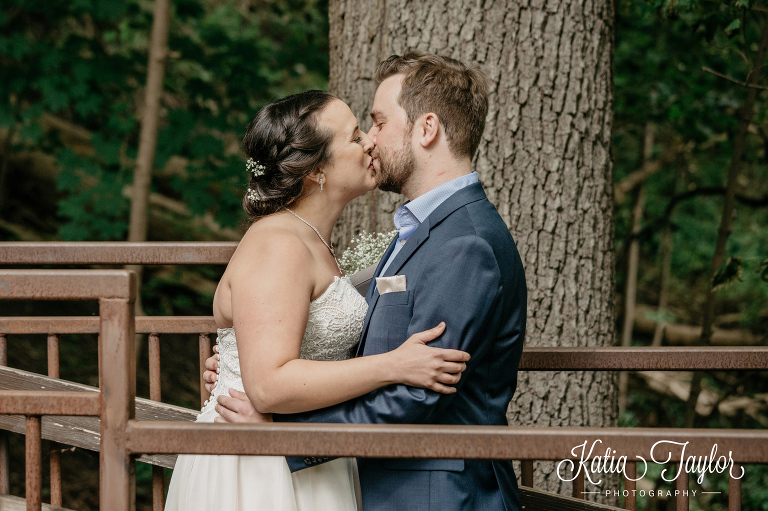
{"x":417,"y":210}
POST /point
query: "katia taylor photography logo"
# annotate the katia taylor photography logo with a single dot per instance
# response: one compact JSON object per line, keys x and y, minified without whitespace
{"x":592,"y":463}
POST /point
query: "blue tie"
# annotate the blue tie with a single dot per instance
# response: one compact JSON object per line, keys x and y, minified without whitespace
{"x":403,"y":233}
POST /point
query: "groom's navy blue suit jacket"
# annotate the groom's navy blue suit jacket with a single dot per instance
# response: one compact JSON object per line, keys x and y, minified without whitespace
{"x":461,"y":267}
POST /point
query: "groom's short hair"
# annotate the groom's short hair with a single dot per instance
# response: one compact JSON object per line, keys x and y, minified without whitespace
{"x":457,"y":94}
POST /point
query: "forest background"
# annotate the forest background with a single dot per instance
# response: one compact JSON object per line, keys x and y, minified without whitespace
{"x":72,"y":79}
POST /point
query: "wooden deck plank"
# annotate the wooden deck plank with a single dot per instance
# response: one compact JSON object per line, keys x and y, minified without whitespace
{"x":83,"y":432}
{"x":11,"y":503}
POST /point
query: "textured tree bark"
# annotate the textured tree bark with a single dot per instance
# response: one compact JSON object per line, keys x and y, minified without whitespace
{"x":544,"y":161}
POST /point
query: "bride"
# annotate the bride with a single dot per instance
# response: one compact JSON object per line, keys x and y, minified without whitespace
{"x":298,"y":318}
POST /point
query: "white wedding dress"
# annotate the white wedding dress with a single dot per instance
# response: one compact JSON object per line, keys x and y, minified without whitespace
{"x":255,"y":483}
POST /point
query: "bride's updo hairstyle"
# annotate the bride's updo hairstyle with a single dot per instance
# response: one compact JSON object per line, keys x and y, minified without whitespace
{"x":287,"y":142}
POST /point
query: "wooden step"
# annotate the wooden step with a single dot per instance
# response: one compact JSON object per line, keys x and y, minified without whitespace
{"x":11,"y":503}
{"x":83,"y":432}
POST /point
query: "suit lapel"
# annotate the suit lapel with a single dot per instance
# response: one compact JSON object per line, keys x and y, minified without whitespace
{"x":419,"y":236}
{"x":467,"y":195}
{"x":372,"y":296}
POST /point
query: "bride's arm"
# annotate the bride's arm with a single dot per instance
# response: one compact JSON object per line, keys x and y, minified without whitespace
{"x":270,"y":297}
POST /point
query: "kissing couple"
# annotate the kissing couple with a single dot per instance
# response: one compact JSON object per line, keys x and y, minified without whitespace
{"x":310,"y":348}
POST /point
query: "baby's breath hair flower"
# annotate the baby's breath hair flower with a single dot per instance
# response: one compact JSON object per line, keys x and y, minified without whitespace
{"x":255,"y":167}
{"x":365,"y":249}
{"x":252,"y":195}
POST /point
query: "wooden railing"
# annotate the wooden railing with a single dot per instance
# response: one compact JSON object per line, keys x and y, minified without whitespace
{"x":525,"y":444}
{"x":114,"y":405}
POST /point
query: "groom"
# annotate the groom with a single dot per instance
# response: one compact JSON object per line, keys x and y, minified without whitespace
{"x":460,"y":266}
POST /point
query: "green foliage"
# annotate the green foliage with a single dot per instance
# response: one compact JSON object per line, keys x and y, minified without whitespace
{"x":660,"y":316}
{"x":86,"y":62}
{"x":662,"y":48}
{"x":731,"y":270}
{"x":762,"y":269}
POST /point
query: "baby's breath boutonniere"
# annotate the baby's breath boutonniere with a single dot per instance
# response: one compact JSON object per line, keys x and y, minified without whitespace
{"x":364,"y":250}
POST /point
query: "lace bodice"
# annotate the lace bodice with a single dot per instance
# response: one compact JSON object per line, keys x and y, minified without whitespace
{"x":333,"y":330}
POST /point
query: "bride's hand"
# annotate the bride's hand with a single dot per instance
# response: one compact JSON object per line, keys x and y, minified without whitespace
{"x":419,"y":365}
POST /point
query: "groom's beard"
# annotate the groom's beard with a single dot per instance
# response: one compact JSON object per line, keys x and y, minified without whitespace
{"x":395,"y":168}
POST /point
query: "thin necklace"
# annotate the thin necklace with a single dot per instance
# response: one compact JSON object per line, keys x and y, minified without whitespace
{"x":333,"y":252}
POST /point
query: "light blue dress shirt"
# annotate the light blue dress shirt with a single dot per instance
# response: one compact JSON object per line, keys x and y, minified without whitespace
{"x":410,"y":215}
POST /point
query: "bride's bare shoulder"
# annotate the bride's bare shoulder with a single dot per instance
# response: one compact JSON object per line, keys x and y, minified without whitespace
{"x":269,"y":251}
{"x":272,"y":241}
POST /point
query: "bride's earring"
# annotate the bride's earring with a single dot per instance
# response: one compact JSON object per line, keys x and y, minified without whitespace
{"x":322,"y":180}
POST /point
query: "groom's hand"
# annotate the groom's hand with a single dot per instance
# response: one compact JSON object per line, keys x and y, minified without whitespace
{"x":211,"y":371}
{"x":238,"y":408}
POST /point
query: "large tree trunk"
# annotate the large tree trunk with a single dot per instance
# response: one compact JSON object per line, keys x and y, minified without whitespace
{"x":544,"y":161}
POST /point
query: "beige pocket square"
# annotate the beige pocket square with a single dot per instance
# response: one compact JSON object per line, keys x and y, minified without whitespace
{"x":391,"y":284}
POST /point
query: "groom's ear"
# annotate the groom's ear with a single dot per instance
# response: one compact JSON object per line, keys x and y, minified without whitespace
{"x":428,"y":129}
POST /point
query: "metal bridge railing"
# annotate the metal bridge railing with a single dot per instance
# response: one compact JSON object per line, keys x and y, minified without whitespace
{"x":525,"y":444}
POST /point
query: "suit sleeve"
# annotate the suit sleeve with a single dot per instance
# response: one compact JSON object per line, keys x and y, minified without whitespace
{"x":461,"y":287}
